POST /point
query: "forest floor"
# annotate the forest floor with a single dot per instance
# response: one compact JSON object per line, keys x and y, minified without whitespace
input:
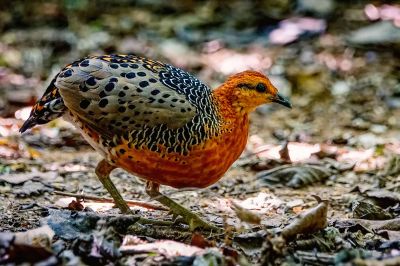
{"x":318,"y":184}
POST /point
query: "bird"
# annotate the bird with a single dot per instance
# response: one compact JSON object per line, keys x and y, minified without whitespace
{"x":156,"y":121}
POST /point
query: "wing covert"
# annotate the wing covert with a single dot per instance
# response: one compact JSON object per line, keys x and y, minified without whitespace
{"x":115,"y":94}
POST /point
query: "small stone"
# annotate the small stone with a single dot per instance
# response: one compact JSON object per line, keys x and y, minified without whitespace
{"x":340,"y":88}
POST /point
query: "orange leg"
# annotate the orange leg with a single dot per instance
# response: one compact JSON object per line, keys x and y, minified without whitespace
{"x":192,"y":219}
{"x":103,"y":171}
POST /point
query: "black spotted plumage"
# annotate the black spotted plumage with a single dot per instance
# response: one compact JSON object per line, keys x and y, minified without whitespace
{"x":164,"y":103}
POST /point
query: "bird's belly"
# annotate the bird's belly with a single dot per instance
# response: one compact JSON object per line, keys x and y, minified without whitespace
{"x":204,"y":165}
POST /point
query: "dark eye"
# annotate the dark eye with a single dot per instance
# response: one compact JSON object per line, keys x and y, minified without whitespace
{"x":261,"y":87}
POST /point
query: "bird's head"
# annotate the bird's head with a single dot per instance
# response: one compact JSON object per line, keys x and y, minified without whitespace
{"x":249,"y":89}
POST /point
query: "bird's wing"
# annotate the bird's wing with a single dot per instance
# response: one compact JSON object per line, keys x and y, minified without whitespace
{"x":116,"y":94}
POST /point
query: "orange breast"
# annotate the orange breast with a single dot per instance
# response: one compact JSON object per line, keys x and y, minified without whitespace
{"x":204,"y":165}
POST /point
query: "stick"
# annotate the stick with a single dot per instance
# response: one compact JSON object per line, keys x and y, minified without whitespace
{"x":110,"y":200}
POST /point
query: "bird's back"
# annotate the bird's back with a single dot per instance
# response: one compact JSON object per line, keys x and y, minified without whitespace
{"x":133,"y":97}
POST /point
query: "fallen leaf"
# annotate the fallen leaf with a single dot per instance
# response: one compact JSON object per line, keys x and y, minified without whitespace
{"x":20,"y":178}
{"x":250,"y":243}
{"x":274,"y":248}
{"x":383,"y":197}
{"x":368,"y":211}
{"x":32,"y":188}
{"x":388,"y":234}
{"x":326,"y":240}
{"x":369,"y":225}
{"x":198,"y":240}
{"x":211,"y":257}
{"x":30,"y":247}
{"x":76,"y":205}
{"x":132,"y":240}
{"x":297,"y":209}
{"x":41,"y":236}
{"x":168,"y":248}
{"x":69,"y":225}
{"x":295,"y":176}
{"x":284,"y":153}
{"x":309,"y":221}
{"x":245,"y":215}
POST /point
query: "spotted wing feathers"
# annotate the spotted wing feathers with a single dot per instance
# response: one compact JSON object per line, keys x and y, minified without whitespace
{"x":116,"y":93}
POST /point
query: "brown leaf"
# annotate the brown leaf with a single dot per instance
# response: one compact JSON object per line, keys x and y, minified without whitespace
{"x":168,"y":248}
{"x":245,"y":215}
{"x":130,"y":240}
{"x":75,"y":205}
{"x":383,"y":197}
{"x":230,"y":252}
{"x":392,"y":225}
{"x":295,"y":176}
{"x":309,"y":221}
{"x":390,"y":235}
{"x":198,"y":240}
{"x":284,"y":153}
{"x":39,"y":237}
{"x":20,"y":254}
{"x":28,"y":247}
{"x":368,"y":211}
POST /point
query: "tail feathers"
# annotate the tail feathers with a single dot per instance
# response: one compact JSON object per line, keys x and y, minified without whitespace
{"x":47,"y":108}
{"x":29,"y":123}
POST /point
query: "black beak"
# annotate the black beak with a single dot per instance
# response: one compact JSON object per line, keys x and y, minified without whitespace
{"x":281,"y":100}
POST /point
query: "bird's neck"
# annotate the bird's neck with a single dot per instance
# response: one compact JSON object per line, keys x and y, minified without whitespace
{"x":228,"y":107}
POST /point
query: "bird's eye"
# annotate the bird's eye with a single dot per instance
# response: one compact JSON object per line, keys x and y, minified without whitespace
{"x":261,"y":87}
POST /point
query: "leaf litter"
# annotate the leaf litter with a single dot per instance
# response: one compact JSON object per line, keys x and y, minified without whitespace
{"x":340,"y":141}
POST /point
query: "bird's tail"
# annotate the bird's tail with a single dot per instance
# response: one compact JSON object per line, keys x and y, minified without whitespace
{"x":49,"y":107}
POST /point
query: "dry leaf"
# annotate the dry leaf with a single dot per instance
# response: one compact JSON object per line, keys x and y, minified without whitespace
{"x":16,"y":179}
{"x":390,"y":235}
{"x":168,"y":248}
{"x":245,"y":215}
{"x":295,"y":176}
{"x":284,"y":153}
{"x":383,"y":197}
{"x":76,"y":205}
{"x":198,"y":240}
{"x":309,"y":221}
{"x":130,"y":240}
{"x":391,"y":225}
{"x":368,"y":211}
{"x":297,"y":209}
{"x":26,"y":250}
{"x":38,"y":237}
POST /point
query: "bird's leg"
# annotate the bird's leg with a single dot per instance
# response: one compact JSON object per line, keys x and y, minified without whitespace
{"x":192,"y":219}
{"x":103,"y":171}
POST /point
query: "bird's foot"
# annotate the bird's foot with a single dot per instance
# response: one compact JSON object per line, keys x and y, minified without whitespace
{"x":190,"y":218}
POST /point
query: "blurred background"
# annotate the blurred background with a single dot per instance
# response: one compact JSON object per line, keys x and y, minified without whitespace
{"x":337,"y":60}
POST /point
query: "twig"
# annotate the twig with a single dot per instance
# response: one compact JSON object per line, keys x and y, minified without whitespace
{"x":110,"y":200}
{"x":314,"y":258}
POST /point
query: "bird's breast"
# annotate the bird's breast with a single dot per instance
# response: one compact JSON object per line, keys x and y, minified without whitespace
{"x":202,"y":166}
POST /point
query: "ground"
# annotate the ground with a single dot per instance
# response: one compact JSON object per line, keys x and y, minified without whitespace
{"x":339,"y":142}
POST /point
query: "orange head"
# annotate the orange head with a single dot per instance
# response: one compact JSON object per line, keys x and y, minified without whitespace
{"x":249,"y":89}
